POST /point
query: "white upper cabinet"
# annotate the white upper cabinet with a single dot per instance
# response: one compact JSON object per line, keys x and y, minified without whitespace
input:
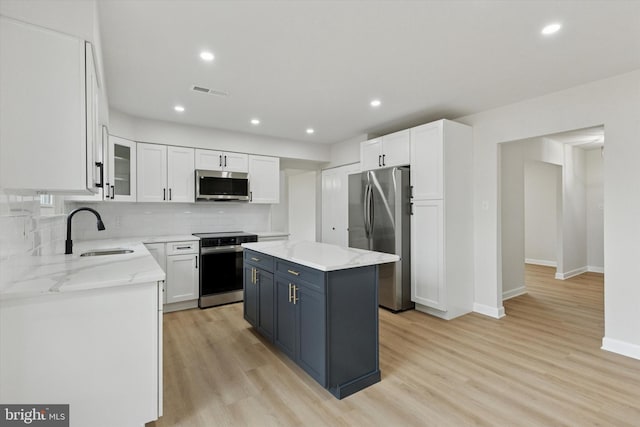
{"x":221,"y":161}
{"x":180,"y":174}
{"x":387,"y":151}
{"x":264,"y":179}
{"x":165,"y":173}
{"x":120,"y":185}
{"x":48,"y":111}
{"x":427,"y":168}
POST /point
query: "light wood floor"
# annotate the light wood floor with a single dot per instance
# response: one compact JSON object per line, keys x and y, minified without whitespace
{"x":539,"y":366}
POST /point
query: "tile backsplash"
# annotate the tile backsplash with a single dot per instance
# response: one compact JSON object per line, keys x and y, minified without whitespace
{"x":155,"y":219}
{"x":25,"y":232}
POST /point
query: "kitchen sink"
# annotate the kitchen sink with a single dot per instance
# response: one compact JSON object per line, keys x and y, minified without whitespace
{"x":115,"y":251}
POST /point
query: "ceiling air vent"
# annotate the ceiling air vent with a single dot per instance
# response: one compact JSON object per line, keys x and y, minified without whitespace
{"x":209,"y":91}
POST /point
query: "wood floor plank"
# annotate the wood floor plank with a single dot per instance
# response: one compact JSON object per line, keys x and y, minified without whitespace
{"x":540,"y":365}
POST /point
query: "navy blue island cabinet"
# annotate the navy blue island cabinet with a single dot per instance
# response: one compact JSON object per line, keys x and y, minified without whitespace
{"x":325,"y":321}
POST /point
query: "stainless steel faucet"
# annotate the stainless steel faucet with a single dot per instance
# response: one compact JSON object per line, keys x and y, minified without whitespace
{"x":68,"y":244}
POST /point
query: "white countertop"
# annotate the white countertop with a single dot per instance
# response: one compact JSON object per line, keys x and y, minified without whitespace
{"x":321,"y":256}
{"x":54,"y":274}
{"x":272,"y":234}
{"x":166,"y":239}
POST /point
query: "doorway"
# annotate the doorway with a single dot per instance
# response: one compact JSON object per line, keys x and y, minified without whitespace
{"x":553,"y":180}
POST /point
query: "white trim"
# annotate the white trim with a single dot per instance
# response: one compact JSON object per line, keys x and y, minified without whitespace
{"x":495,"y":312}
{"x":572,"y":273}
{"x":621,"y":347}
{"x":544,"y":262}
{"x":514,"y":293}
{"x":595,"y":269}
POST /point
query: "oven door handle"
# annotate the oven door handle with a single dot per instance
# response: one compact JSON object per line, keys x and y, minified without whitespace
{"x":220,"y":249}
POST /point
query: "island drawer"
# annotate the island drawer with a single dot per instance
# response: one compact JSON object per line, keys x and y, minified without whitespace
{"x":259,"y":260}
{"x":299,"y":272}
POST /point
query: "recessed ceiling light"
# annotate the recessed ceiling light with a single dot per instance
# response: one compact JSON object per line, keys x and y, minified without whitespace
{"x":206,"y":56}
{"x":255,"y":121}
{"x":310,"y":131}
{"x":551,"y":29}
{"x":179,"y":108}
{"x":375,"y":103}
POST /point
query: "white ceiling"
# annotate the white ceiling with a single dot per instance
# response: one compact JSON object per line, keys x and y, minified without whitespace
{"x":300,"y":64}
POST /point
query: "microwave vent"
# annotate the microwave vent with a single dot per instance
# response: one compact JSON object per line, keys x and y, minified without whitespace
{"x":215,"y":92}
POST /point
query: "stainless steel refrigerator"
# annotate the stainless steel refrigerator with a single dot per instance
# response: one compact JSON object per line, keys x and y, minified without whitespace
{"x":379,"y":209}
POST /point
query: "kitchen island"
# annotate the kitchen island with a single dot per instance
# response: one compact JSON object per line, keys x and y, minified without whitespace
{"x":318,"y":303}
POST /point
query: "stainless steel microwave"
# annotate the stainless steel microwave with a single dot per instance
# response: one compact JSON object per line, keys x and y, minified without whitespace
{"x":221,"y":186}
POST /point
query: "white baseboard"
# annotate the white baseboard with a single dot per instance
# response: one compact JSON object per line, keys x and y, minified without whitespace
{"x":572,"y":273}
{"x":595,"y":269}
{"x":621,"y":347}
{"x":514,"y":293}
{"x":544,"y":262}
{"x":496,"y":313}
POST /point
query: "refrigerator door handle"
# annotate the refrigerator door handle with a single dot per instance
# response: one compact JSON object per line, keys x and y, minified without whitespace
{"x":371,"y":211}
{"x":365,"y":206}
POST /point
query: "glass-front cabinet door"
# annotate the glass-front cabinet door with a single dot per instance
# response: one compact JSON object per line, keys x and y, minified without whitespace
{"x":122,"y":170}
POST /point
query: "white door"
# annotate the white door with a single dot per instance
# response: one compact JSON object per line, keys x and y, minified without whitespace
{"x":180,"y":174}
{"x":427,"y":254}
{"x":335,"y":204}
{"x":182,"y":278}
{"x":427,"y":161}
{"x":264,"y":179}
{"x":371,"y":154}
{"x":235,"y":162}
{"x":396,"y":149}
{"x":152,"y":172}
{"x":302,"y":206}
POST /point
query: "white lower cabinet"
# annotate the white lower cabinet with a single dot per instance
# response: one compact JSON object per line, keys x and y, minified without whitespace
{"x":180,"y":261}
{"x":93,"y":349}
{"x":428,"y":222}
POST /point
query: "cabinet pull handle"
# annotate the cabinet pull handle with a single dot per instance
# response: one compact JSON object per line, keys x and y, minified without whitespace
{"x":220,"y":160}
{"x":225,"y":161}
{"x":295,"y":273}
{"x":251,"y":196}
{"x":113,"y":192}
{"x":295,"y":294}
{"x":101,"y":167}
{"x":379,"y":160}
{"x":290,"y":293}
{"x":411,"y":191}
{"x":108,"y":189}
{"x":169,"y":194}
{"x":257,"y":277}
{"x":255,"y":259}
{"x":183,"y":247}
{"x":164,"y":194}
{"x":410,"y":208}
{"x":196,"y":261}
{"x":383,"y":161}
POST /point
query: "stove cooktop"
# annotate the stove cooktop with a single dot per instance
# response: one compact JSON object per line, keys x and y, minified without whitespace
{"x":225,"y":238}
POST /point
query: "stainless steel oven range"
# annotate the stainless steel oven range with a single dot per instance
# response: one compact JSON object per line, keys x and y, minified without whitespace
{"x":221,"y":267}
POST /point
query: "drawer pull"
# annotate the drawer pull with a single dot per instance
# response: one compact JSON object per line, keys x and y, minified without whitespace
{"x":295,"y":273}
{"x":183,"y":247}
{"x":255,"y":259}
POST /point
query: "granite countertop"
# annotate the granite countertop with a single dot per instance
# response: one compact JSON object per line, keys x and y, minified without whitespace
{"x":321,"y":256}
{"x":55,"y":274}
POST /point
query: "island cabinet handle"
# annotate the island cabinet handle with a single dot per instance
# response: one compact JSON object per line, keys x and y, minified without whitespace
{"x":295,"y":273}
{"x":290,"y":293}
{"x":295,"y":294}
{"x":255,"y":259}
{"x":253,"y":275}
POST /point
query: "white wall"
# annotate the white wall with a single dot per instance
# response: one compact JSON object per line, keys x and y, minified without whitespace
{"x":161,"y":132}
{"x":595,"y":211}
{"x":574,"y":214}
{"x":302,"y":206}
{"x":541,"y":212}
{"x":614,"y":103}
